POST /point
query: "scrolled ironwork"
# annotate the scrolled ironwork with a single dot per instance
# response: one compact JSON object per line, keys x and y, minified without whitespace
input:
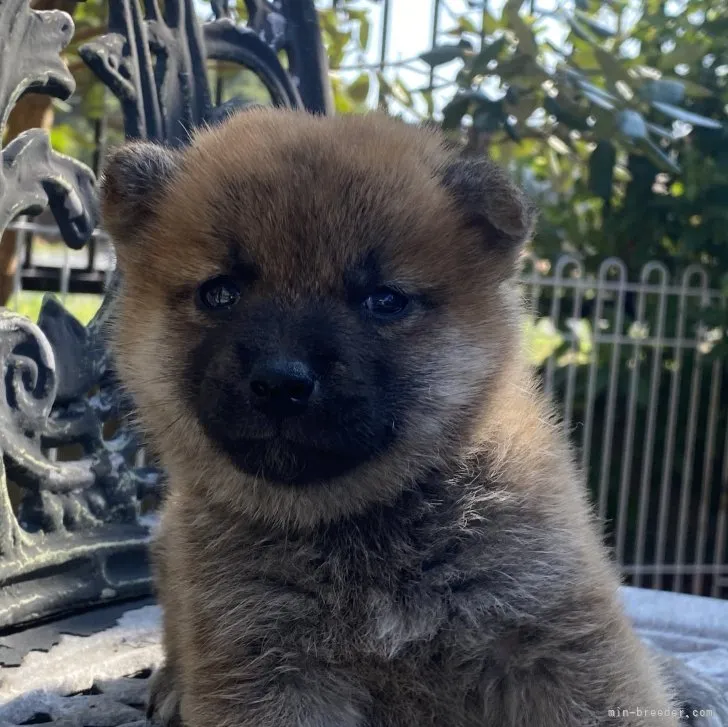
{"x":73,"y":491}
{"x":155,"y":62}
{"x":227,"y":41}
{"x":77,"y":517}
{"x":65,"y":520}
{"x":32,"y":175}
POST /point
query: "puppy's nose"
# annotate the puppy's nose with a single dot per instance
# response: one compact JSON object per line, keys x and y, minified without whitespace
{"x":282,"y":388}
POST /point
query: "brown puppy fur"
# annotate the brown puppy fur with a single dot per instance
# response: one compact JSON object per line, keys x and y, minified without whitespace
{"x":412,"y":548}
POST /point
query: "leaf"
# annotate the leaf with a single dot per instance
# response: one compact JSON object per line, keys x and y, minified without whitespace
{"x":337,"y":47}
{"x":592,"y":90}
{"x":598,"y":99}
{"x":597,"y":28}
{"x":362,"y":16}
{"x":512,"y":131}
{"x":359,"y":89}
{"x":442,"y":54}
{"x":454,"y":111}
{"x":65,"y":139}
{"x":526,"y":41}
{"x":613,"y":69}
{"x":385,"y":89}
{"x":687,"y":116}
{"x":667,"y":91}
{"x":558,"y":145}
{"x":580,"y":31}
{"x":583,"y":56}
{"x":554,"y":165}
{"x":567,"y":113}
{"x":687,"y":53}
{"x":489,"y":116}
{"x":695,"y":90}
{"x":466,"y":25}
{"x":521,"y":67}
{"x":632,"y":124}
{"x":601,"y":169}
{"x":657,"y":156}
{"x":488,"y":53}
{"x":605,"y":125}
{"x":364,"y":28}
{"x":402,"y":93}
{"x":429,"y":100}
{"x":342,"y":101}
{"x":489,"y":23}
{"x":661,"y":131}
{"x":621,"y":174}
{"x":463,"y":79}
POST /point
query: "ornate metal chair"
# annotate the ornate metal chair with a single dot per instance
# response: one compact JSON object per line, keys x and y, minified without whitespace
{"x":72,"y":529}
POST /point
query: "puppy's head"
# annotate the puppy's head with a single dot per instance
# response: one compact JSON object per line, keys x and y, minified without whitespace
{"x":313,"y":310}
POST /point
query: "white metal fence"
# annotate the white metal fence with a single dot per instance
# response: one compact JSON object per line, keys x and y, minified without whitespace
{"x":636,"y":364}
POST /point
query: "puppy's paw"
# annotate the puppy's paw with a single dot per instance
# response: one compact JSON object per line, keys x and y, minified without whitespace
{"x":163,"y":703}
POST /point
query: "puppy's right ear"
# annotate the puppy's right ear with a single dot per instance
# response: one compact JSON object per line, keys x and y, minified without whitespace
{"x":133,"y":181}
{"x":491,"y":203}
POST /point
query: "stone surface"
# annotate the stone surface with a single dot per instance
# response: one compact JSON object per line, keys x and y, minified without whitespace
{"x":95,"y":664}
{"x":100,"y":680}
{"x":14,"y":647}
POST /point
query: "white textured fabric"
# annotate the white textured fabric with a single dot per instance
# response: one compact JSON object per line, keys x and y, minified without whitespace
{"x":692,"y":628}
{"x":76,"y":662}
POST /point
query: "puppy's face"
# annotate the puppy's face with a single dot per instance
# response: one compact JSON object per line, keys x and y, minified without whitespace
{"x":312,"y":309}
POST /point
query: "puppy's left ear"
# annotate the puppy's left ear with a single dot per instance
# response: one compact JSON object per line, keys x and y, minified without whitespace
{"x":491,"y":203}
{"x":134,"y":179}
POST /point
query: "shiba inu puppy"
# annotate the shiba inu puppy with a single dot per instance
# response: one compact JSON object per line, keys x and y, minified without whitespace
{"x":373,"y":519}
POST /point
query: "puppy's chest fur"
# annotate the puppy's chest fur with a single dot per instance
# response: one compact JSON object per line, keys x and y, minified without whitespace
{"x":404,"y":589}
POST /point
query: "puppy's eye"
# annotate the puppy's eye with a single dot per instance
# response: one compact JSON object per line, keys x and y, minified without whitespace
{"x":218,"y":293}
{"x":386,"y":303}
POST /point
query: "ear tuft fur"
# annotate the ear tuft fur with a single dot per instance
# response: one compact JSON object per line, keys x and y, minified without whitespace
{"x":492,"y":202}
{"x":132,"y":182}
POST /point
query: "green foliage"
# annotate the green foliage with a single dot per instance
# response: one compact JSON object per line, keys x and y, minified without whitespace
{"x":345,"y":28}
{"x":621,"y":124}
{"x":81,"y":306}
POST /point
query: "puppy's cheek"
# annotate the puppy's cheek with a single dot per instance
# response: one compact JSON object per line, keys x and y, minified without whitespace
{"x":148,"y":359}
{"x":456,"y":371}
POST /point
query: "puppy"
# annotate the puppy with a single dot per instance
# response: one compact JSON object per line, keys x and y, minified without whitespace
{"x":372,"y":519}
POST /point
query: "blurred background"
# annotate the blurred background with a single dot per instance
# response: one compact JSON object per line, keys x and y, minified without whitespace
{"x":613,"y":116}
